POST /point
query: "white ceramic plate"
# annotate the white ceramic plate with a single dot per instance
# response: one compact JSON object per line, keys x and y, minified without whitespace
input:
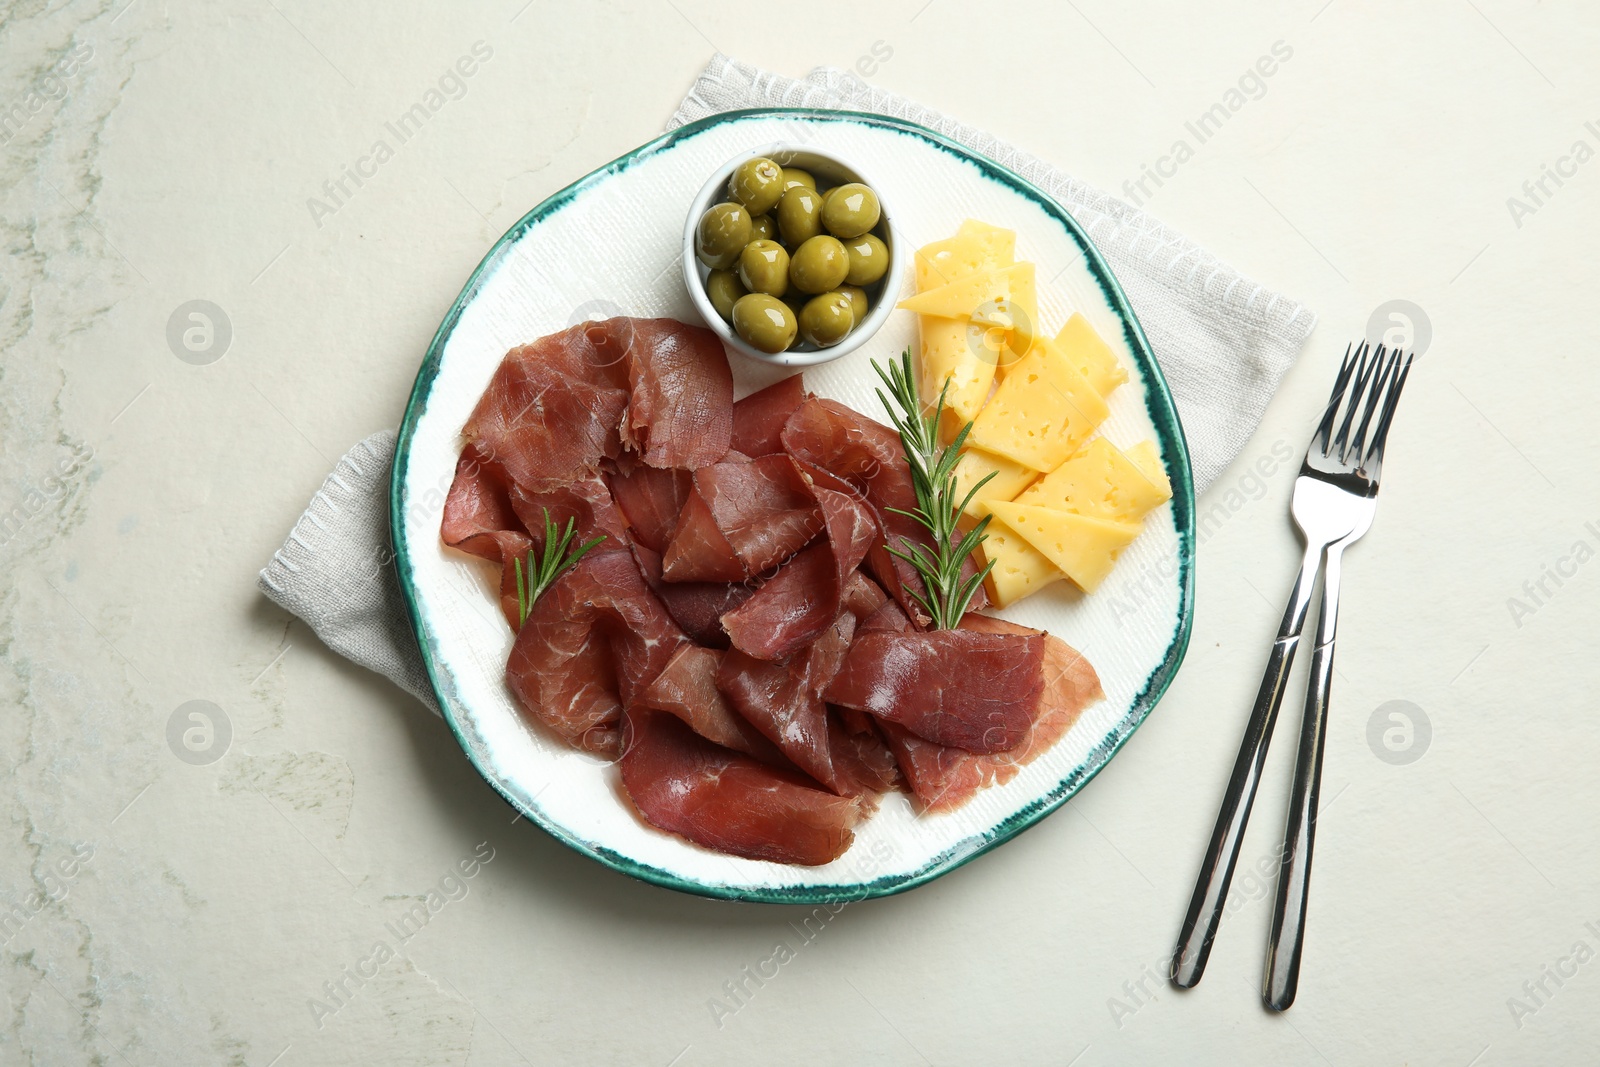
{"x":609,"y":244}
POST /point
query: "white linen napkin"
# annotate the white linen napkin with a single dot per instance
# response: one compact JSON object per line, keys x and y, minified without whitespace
{"x":1223,"y":342}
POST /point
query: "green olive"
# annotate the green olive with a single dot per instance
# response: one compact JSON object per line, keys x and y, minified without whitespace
{"x":858,"y":299}
{"x":869,"y":259}
{"x":851,"y":210}
{"x":764,"y":268}
{"x":799,"y":215}
{"x":762,"y":228}
{"x":765,"y":322}
{"x":757,"y":184}
{"x":826,"y":319}
{"x":723,"y":232}
{"x":724,"y":289}
{"x":818,"y":265}
{"x":795,"y":176}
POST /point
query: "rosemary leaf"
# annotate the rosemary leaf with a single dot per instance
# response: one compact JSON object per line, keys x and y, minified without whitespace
{"x":548,"y":564}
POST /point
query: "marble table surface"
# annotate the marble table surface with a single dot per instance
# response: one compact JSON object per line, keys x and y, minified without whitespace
{"x":259,"y":904}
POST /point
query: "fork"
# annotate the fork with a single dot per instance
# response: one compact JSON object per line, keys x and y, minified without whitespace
{"x":1335,"y":496}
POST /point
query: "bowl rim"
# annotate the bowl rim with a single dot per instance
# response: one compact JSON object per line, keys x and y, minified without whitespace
{"x":1159,"y":406}
{"x":796,"y":358}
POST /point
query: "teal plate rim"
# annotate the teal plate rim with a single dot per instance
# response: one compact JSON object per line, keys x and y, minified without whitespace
{"x":1158,"y":404}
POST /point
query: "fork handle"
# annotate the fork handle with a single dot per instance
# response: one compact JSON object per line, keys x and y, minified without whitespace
{"x":1216,"y":870}
{"x":1282,"y":975}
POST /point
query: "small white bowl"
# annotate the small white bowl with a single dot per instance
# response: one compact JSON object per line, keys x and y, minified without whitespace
{"x":829,"y":170}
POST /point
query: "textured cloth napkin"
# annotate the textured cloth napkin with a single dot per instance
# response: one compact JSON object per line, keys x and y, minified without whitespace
{"x":1222,"y":340}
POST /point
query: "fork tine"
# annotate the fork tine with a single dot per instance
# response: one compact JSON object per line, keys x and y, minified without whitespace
{"x":1363,"y":378}
{"x":1319,"y":440}
{"x":1374,"y":400}
{"x":1380,"y":436}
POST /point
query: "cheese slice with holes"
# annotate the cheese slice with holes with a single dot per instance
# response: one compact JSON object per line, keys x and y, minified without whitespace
{"x":1094,"y":359}
{"x":1019,"y":569}
{"x":953,"y":352}
{"x":1083,"y":548}
{"x":1105,"y":482}
{"x":1010,"y":478}
{"x":1022,"y":309}
{"x":1042,"y":412}
{"x":984,"y":296}
{"x":966,"y":253}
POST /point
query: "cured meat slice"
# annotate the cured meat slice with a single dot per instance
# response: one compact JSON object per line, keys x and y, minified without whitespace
{"x":479,"y":518}
{"x":726,"y":801}
{"x":552,"y":410}
{"x":758,"y":419}
{"x":945,"y":778}
{"x":585,"y":502}
{"x":863,"y":597}
{"x":803,"y":598}
{"x":783,"y":699}
{"x":964,"y":688}
{"x":697,"y":607}
{"x":651,"y":499}
{"x":861,"y":759}
{"x":763,"y":509}
{"x":681,"y":409}
{"x":846,"y":443}
{"x":699,"y":551}
{"x":478,"y":512}
{"x":687,"y":687}
{"x":591,"y":645}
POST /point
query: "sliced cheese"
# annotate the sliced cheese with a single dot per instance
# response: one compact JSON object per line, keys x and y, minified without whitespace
{"x":978,"y":226}
{"x":1104,"y":482}
{"x":966,"y":253}
{"x":984,"y":296}
{"x":1042,"y":412}
{"x":1019,"y":569}
{"x":1094,"y":359}
{"x":1010,"y":478}
{"x":1084,"y":548}
{"x":1148,"y":459}
{"x":1022,"y":310}
{"x":952,"y":351}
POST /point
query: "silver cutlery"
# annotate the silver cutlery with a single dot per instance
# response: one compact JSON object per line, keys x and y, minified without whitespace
{"x":1335,"y":496}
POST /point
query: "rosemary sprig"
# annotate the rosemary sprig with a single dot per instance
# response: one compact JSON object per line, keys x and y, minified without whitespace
{"x":544,"y":569}
{"x":933,"y":480}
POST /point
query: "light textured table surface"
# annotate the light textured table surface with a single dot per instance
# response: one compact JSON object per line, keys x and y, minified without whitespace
{"x":229,"y":912}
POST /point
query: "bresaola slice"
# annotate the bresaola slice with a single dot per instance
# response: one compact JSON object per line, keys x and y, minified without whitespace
{"x":699,"y":551}
{"x":798,"y":603}
{"x":960,"y":688}
{"x":697,"y":607}
{"x":478,"y":512}
{"x":741,"y":519}
{"x":944,"y":778}
{"x":553,"y":409}
{"x":585,"y":502}
{"x":687,"y":687}
{"x":680,"y":412}
{"x":592,"y":644}
{"x":758,"y":419}
{"x":558,"y":407}
{"x":479,"y":518}
{"x":783,"y":699}
{"x":728,"y":802}
{"x":651,"y":500}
